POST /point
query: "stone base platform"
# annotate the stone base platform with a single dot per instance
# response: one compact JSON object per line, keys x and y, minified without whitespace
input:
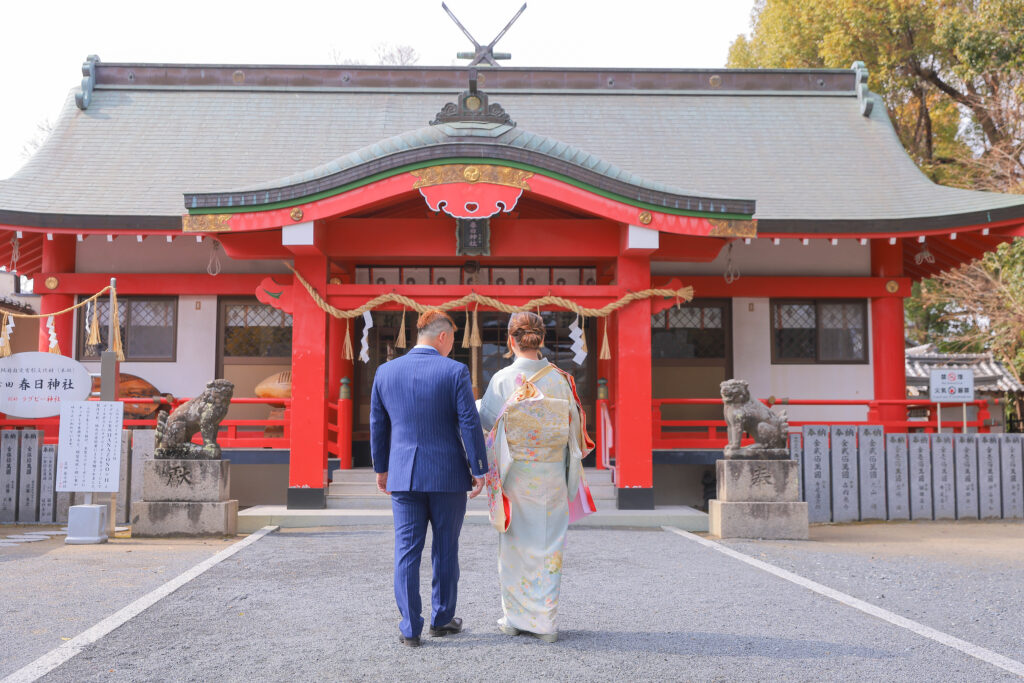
{"x":758,"y":520}
{"x":153,"y":519}
{"x":196,"y":481}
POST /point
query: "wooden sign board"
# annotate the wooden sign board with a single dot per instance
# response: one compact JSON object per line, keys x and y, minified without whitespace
{"x":89,"y":449}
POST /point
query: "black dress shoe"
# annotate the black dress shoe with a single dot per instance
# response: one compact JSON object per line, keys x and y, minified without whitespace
{"x":409,"y":642}
{"x":453,"y":626}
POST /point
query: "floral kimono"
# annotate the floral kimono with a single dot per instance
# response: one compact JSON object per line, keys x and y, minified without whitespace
{"x":536,"y":441}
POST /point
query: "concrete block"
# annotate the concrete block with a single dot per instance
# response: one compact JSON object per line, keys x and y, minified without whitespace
{"x":758,"y":480}
{"x":186,"y":480}
{"x":151,"y":519}
{"x":758,"y":520}
{"x":87,"y":524}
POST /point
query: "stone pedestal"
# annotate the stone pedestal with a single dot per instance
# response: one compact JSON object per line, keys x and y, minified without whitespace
{"x":758,"y":499}
{"x":185,"y":498}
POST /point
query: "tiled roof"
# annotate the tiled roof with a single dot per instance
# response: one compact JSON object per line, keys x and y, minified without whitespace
{"x":796,"y":142}
{"x":990,"y":375}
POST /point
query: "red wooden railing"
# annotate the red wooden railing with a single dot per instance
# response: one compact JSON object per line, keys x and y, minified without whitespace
{"x":232,"y":434}
{"x":711,"y":434}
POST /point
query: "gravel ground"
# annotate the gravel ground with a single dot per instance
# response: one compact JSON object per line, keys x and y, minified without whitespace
{"x":965,"y":579}
{"x":51,"y":592}
{"x":636,"y":605}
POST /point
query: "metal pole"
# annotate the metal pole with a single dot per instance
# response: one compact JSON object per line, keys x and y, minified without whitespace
{"x":965,"y":416}
{"x":938,"y":413}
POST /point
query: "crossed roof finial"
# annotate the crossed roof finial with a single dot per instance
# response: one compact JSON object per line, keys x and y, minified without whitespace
{"x":484,"y":53}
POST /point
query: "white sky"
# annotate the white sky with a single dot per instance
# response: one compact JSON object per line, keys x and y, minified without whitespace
{"x":44,"y":43}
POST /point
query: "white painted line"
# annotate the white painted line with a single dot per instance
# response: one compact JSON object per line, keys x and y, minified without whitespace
{"x":985,"y":655}
{"x":54,"y":658}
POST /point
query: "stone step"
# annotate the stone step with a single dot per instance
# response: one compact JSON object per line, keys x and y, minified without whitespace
{"x":366,"y":475}
{"x":356,"y":488}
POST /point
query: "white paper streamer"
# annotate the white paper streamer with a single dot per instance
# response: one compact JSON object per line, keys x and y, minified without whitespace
{"x":576,"y":334}
{"x":364,"y":343}
{"x":10,"y":324}
{"x":52,"y":330}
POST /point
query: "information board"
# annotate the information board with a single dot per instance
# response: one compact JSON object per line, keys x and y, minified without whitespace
{"x":35,"y":383}
{"x":89,"y":448}
{"x":951,"y":385}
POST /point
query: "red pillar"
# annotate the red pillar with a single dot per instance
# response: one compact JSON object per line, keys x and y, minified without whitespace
{"x":887,"y":333}
{"x":58,"y":257}
{"x":631,"y":347}
{"x":340,"y":369}
{"x":307,"y":469}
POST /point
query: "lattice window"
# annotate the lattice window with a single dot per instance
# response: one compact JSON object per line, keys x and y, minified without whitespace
{"x":255,"y":330}
{"x":147,"y":328}
{"x":695,"y":330}
{"x":819,"y":332}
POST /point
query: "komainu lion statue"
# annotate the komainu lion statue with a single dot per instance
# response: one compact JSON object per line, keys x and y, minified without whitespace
{"x":746,"y":415}
{"x":201,"y":414}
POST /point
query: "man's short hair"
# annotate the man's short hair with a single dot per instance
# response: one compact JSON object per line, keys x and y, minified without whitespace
{"x":433,"y":322}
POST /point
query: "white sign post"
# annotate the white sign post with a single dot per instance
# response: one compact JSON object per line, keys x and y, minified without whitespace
{"x":951,"y":385}
{"x":88,"y":460}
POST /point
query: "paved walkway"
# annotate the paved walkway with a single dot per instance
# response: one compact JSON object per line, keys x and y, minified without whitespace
{"x":636,"y":605}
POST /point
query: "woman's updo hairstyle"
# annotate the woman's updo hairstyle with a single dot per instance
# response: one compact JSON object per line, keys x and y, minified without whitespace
{"x":527,"y":329}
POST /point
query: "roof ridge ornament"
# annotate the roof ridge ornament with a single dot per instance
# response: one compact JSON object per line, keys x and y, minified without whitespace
{"x":860,"y":71}
{"x":82,"y":99}
{"x":472,"y":106}
{"x":484,"y":53}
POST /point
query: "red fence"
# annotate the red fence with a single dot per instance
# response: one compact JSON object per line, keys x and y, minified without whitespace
{"x":711,"y":434}
{"x":266,"y":433}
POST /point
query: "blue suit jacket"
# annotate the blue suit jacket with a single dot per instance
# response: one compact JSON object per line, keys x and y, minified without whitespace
{"x":424,"y":427}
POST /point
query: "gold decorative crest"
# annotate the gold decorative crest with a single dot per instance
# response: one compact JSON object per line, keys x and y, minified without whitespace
{"x":892,"y":286}
{"x":645,"y":218}
{"x":209,"y":222}
{"x":471,"y":173}
{"x":296,"y":214}
{"x":731,"y":228}
{"x":51,"y":282}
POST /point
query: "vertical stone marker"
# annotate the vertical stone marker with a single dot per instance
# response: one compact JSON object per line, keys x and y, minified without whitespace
{"x":143,"y":445}
{"x":965,"y":455}
{"x":845,"y":491}
{"x":123,"y":509}
{"x":896,"y":477}
{"x":817,"y":488}
{"x":942,"y":476}
{"x":8,"y":475}
{"x":1013,"y":485}
{"x":796,"y":452}
{"x":28,"y":481}
{"x":990,"y":499}
{"x":920,"y":477}
{"x":872,"y":472}
{"x":47,"y":475}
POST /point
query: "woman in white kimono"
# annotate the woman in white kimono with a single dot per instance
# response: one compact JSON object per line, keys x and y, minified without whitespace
{"x":532,"y":407}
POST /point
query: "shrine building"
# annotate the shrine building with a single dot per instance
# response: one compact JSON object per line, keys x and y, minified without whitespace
{"x":782,"y":197}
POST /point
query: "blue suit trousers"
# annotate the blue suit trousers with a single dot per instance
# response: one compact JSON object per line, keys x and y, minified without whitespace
{"x":445,"y":512}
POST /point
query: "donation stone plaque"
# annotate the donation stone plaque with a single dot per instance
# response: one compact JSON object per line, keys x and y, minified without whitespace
{"x":965,"y":455}
{"x":942,"y":476}
{"x":845,"y":503}
{"x":8,"y":475}
{"x":1013,"y":485}
{"x":989,"y":477}
{"x":28,"y":483}
{"x":816,"y":474}
{"x":47,"y":480}
{"x":872,"y":472}
{"x":896,"y":477}
{"x":920,"y":477}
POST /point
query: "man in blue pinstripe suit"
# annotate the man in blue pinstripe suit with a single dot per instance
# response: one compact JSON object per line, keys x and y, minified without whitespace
{"x":428,"y":451}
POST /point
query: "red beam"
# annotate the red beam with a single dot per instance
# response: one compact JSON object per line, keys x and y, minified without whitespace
{"x":353,"y":296}
{"x":226,"y":284}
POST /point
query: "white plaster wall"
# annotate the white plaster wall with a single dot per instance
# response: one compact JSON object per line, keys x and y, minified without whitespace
{"x":155,"y":254}
{"x":196,"y":351}
{"x":761,"y":257}
{"x":752,"y":362}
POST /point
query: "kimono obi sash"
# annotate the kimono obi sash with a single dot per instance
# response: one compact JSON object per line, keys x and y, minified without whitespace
{"x":537,"y":429}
